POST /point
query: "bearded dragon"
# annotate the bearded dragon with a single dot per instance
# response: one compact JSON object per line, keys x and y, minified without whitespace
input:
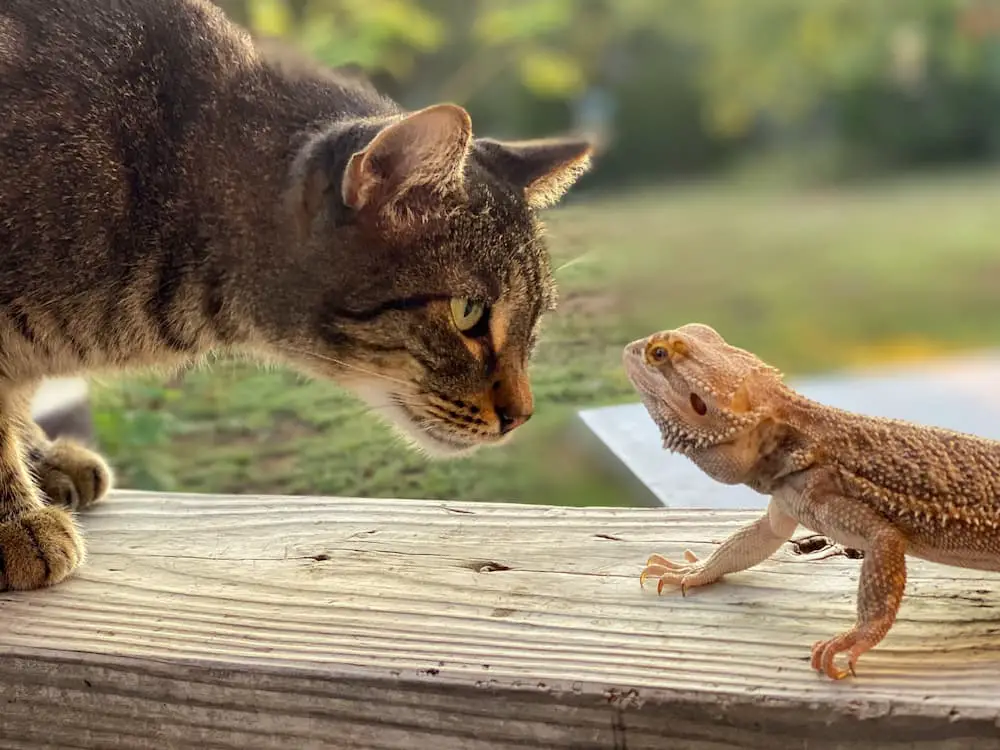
{"x":887,"y":487}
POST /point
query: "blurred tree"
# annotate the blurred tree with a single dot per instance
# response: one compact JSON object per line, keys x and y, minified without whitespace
{"x":785,"y":58}
{"x":687,"y":81}
{"x":374,"y":34}
{"x":555,"y":48}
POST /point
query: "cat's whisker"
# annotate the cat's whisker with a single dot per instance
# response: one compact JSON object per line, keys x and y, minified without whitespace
{"x":349,"y":366}
{"x":582,"y":258}
{"x":410,"y":399}
{"x":379,"y":407}
{"x":431,"y":419}
{"x":430,"y":424}
{"x":414,"y":400}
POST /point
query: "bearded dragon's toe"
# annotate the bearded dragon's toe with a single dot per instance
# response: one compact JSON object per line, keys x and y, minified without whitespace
{"x":825,"y":653}
{"x":658,"y":572}
{"x":667,"y":572}
{"x":664,"y":576}
{"x":661,"y":561}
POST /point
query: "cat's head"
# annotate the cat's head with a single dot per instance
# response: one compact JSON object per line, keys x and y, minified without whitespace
{"x":433,"y":270}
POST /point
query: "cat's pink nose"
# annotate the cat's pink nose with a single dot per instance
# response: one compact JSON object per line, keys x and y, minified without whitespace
{"x":510,"y":422}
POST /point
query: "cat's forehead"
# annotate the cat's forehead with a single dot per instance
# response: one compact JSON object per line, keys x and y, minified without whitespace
{"x":499,"y":237}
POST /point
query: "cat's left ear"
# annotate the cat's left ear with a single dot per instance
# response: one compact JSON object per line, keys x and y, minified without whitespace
{"x":420,"y":154}
{"x":426,"y":149}
{"x":544,"y":169}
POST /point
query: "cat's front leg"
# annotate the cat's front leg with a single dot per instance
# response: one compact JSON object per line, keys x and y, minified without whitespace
{"x":39,"y":543}
{"x":67,"y":473}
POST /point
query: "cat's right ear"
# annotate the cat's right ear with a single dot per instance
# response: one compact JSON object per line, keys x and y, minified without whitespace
{"x":544,"y":168}
{"x":425,"y":150}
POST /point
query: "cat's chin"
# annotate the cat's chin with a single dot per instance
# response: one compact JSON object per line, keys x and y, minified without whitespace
{"x":433,"y":444}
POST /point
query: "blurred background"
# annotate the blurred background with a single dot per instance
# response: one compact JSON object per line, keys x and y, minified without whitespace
{"x":818,"y":180}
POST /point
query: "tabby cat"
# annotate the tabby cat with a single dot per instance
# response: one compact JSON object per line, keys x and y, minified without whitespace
{"x":167,"y":190}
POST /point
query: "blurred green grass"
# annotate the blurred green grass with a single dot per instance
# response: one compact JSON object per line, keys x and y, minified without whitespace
{"x":811,"y":280}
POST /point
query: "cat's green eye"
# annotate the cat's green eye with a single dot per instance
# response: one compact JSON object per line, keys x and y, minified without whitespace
{"x":467,"y":313}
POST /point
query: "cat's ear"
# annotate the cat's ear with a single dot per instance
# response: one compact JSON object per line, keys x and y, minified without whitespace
{"x":426,"y":149}
{"x":544,"y":169}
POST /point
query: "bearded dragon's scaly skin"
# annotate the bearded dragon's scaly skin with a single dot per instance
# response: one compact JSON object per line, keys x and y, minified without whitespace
{"x":887,"y":487}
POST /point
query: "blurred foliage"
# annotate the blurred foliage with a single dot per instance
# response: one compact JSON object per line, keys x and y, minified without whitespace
{"x":369,"y":33}
{"x":683,"y":85}
{"x":136,"y":424}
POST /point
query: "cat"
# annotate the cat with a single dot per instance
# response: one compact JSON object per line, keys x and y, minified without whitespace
{"x":166,"y":192}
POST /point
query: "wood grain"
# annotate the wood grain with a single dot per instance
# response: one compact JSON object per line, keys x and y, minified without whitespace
{"x":221,"y":622}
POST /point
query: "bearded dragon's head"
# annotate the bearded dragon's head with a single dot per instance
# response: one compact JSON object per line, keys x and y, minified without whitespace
{"x":700,"y":391}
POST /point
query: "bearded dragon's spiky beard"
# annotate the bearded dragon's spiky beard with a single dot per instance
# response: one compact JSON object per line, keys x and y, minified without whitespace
{"x":676,"y":438}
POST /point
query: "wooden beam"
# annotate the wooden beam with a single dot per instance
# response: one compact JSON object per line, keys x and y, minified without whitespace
{"x":225,"y":622}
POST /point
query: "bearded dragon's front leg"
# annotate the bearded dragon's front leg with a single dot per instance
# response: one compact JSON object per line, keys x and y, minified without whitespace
{"x":747,"y":547}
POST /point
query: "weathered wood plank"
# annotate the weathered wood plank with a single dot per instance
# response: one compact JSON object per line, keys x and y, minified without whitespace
{"x":340,"y":623}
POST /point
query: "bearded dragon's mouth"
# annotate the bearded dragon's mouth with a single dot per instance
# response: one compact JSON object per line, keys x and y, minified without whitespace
{"x":677,"y":436}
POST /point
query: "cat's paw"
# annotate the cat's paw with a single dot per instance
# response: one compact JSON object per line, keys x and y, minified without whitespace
{"x":70,"y":475}
{"x":38,"y":549}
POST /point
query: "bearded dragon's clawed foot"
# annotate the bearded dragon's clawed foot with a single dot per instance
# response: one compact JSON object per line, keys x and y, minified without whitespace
{"x":692,"y":573}
{"x":853,"y":643}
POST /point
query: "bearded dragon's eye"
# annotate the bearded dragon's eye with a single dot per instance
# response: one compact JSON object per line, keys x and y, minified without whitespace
{"x":658,"y":354}
{"x":698,"y":405}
